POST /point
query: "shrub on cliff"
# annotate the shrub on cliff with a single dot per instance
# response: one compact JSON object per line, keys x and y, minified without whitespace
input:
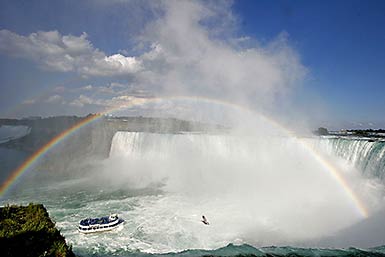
{"x":28,"y":231}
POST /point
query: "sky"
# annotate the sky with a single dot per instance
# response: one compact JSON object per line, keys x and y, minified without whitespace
{"x":317,"y":62}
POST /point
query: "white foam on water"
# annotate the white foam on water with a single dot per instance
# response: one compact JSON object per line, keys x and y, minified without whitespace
{"x":262,"y":191}
{"x":8,"y":133}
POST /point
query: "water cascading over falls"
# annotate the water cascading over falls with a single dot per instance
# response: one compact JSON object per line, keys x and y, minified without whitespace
{"x":253,"y":189}
{"x":367,"y":156}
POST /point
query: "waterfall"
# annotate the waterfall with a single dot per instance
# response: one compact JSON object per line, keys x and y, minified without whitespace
{"x":240,"y":171}
{"x":367,"y":156}
{"x":162,"y":146}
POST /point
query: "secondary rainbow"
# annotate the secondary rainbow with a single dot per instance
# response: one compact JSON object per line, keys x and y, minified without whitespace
{"x":142,"y":101}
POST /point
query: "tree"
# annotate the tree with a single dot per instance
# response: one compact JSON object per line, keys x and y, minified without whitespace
{"x":321,"y":131}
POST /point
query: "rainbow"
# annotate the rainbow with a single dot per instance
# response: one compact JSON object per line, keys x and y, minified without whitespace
{"x":42,"y":151}
{"x":335,"y":174}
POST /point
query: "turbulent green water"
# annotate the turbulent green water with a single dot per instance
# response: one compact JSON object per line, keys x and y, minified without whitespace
{"x":67,"y":204}
{"x":161,"y":184}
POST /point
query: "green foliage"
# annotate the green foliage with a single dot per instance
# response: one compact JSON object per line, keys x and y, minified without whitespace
{"x":321,"y":131}
{"x":361,"y":133}
{"x":28,"y":231}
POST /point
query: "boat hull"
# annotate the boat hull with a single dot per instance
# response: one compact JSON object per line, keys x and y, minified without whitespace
{"x":100,"y":227}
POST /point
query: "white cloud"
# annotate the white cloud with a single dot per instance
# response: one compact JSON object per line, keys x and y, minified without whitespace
{"x":113,"y":65}
{"x":117,"y":85}
{"x":106,"y":90}
{"x":128,"y":99}
{"x":81,"y":101}
{"x":121,"y":101}
{"x":54,"y":99}
{"x":190,"y":48}
{"x":29,"y":101}
{"x":59,"y":89}
{"x":66,"y":53}
{"x":87,"y":88}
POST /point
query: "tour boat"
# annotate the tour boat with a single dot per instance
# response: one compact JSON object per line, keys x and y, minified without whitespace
{"x":102,"y":224}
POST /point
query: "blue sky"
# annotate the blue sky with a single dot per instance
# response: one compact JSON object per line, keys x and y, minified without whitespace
{"x":322,"y":61}
{"x":341,"y":42}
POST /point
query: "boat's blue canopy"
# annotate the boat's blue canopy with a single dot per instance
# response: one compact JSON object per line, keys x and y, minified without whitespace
{"x":94,"y":221}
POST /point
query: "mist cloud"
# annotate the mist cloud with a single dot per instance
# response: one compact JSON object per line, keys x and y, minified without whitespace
{"x":188,"y":55}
